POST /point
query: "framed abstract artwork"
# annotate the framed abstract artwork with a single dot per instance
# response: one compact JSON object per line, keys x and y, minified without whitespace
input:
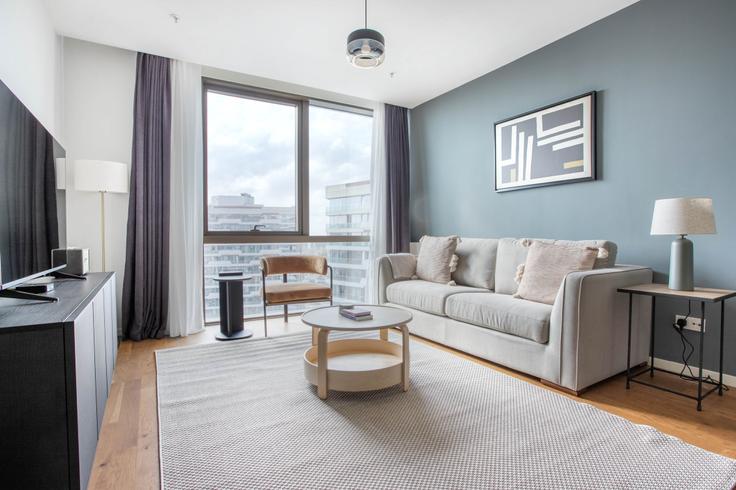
{"x":547,"y":146}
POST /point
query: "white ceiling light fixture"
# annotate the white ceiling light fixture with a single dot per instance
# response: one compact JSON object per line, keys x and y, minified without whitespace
{"x":366,"y":47}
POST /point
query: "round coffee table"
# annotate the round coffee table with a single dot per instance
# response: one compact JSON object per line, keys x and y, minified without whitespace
{"x":357,"y":364}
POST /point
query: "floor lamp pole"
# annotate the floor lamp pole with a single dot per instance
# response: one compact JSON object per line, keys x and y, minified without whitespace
{"x":102,"y":228}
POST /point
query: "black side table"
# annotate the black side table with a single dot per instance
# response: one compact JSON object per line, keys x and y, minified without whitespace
{"x":231,"y":307}
{"x":702,"y":295}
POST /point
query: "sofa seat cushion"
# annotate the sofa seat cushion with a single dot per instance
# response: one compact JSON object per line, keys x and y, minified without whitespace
{"x":503,"y":313}
{"x":296,"y":291}
{"x":424,"y":295}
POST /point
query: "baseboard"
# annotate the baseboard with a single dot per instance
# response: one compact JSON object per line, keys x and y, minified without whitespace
{"x":728,"y":379}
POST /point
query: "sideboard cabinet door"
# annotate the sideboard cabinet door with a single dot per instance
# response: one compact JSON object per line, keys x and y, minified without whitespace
{"x":86,"y":390}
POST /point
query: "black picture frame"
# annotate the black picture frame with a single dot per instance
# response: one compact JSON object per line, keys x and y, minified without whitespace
{"x":589,"y":171}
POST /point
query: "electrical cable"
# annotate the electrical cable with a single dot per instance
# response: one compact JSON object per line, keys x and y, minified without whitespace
{"x":685,"y":343}
{"x":679,"y":326}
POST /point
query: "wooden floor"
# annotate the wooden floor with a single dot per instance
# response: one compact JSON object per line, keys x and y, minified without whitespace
{"x":127,"y":452}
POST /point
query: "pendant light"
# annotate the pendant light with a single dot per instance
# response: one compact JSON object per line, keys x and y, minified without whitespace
{"x":366,"y":47}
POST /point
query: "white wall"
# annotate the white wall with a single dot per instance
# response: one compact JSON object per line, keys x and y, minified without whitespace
{"x":31,"y":61}
{"x":99,"y":84}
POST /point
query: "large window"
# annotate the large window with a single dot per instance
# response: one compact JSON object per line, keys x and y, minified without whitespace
{"x":284,"y":175}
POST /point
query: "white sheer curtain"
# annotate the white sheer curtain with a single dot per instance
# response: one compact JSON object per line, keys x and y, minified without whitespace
{"x":379,"y":175}
{"x":185,"y":238}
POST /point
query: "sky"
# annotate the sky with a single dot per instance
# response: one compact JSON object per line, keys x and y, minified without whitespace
{"x":251,"y":148}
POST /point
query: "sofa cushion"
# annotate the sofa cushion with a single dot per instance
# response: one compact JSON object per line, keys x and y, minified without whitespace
{"x":511,"y":253}
{"x":403,"y":266}
{"x":503,"y":313}
{"x":424,"y":295}
{"x":436,"y":260}
{"x":546,"y":267}
{"x":476,"y":262}
{"x":601,"y":262}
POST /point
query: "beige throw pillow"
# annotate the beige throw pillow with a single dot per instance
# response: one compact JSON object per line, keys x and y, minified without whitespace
{"x":437,"y":259}
{"x":546,"y":266}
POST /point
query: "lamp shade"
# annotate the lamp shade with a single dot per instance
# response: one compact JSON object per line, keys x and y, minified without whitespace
{"x":683,"y":216}
{"x":100,"y":176}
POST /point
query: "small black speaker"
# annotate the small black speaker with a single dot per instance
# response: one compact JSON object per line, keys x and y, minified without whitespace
{"x":76,"y":260}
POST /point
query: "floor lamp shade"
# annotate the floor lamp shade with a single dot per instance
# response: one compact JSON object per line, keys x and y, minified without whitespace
{"x":101,"y":176}
{"x":683,"y":216}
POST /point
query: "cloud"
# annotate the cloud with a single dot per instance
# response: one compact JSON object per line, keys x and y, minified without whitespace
{"x":252,"y":148}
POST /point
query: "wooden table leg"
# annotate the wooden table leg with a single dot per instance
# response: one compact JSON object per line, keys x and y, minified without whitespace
{"x":322,"y":363}
{"x":383,"y":333}
{"x":315,"y":331}
{"x":405,"y":357}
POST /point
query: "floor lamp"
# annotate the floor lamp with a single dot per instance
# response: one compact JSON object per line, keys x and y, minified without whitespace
{"x":103,"y":177}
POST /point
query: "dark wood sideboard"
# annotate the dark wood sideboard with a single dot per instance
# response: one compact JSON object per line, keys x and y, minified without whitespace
{"x":56,"y":365}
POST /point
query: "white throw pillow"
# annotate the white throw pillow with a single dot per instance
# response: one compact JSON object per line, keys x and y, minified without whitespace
{"x":437,"y":259}
{"x":546,"y":266}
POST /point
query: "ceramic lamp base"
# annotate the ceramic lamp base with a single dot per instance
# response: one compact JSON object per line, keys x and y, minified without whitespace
{"x":681,"y":265}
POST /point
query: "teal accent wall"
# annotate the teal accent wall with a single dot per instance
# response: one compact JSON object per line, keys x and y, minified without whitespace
{"x":665,"y":72}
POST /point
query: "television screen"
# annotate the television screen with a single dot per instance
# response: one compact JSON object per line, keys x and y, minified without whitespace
{"x":29,"y":225}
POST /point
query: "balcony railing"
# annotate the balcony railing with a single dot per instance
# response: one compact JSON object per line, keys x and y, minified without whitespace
{"x":244,"y":258}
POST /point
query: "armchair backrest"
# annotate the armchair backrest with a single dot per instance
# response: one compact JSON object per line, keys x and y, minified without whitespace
{"x":293,"y":264}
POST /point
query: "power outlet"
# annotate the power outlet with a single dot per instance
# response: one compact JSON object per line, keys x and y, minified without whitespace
{"x":693,"y":323}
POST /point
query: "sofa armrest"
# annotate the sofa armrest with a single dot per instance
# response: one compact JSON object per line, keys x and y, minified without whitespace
{"x":590,"y":322}
{"x":392,"y":268}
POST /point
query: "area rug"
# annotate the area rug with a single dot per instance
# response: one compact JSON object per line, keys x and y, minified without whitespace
{"x":241,"y":415}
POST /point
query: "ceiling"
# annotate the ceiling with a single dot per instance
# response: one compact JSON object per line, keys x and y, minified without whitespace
{"x":432,"y":46}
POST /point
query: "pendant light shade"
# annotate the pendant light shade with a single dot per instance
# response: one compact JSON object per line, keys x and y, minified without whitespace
{"x":366,"y":47}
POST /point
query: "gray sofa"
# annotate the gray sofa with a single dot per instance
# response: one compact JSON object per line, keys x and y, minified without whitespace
{"x":572,"y":344}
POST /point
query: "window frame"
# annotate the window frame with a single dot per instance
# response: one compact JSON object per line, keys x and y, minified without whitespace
{"x":302,"y":104}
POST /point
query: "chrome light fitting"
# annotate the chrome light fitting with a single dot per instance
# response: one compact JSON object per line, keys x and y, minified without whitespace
{"x":366,"y":47}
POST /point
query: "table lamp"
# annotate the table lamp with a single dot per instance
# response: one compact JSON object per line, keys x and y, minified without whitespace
{"x":101,"y":176}
{"x":683,"y":216}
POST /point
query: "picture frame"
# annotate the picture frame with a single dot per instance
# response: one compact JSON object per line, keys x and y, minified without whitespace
{"x":554,"y":144}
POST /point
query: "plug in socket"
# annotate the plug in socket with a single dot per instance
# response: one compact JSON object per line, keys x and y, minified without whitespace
{"x":693,"y":323}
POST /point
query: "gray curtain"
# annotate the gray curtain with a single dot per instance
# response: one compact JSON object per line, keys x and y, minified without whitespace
{"x":145,"y":288}
{"x":29,"y":226}
{"x":397,"y":160}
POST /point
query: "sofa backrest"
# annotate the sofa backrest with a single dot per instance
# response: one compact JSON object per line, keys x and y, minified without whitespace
{"x":491,"y":263}
{"x":476,"y":262}
{"x":513,"y":251}
{"x":600,"y":262}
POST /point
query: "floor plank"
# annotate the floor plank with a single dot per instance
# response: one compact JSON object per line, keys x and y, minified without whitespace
{"x":127,"y":452}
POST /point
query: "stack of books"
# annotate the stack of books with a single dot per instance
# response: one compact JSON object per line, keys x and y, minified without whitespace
{"x":355,"y":313}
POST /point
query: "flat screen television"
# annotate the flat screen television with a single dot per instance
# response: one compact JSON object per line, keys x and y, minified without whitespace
{"x":29,"y":224}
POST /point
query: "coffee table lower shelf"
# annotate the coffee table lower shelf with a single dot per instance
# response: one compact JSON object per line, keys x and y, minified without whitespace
{"x":358,"y":365}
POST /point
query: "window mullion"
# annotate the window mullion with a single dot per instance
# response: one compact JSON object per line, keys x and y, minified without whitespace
{"x":303,"y":168}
